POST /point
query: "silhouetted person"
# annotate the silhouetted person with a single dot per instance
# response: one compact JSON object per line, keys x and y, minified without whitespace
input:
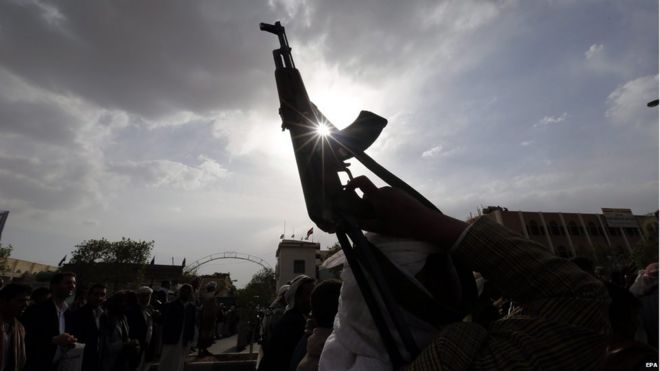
{"x":645,"y":288}
{"x":141,"y":322}
{"x":14,"y":299}
{"x":274,"y":312}
{"x":178,"y":330}
{"x":560,"y":322}
{"x":39,"y":295}
{"x":208,"y":317}
{"x":47,"y":335}
{"x":624,"y":352}
{"x":325,"y":300}
{"x":87,"y":326}
{"x":290,"y":328}
{"x":117,"y":348}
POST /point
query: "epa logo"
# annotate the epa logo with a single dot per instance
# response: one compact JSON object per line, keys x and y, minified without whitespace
{"x":652,"y":364}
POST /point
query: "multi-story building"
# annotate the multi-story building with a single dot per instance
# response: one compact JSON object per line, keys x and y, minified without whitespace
{"x":597,"y":236}
{"x":295,"y":258}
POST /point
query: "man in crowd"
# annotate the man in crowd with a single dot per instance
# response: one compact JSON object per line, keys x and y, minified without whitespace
{"x":562,"y":322}
{"x":141,"y":322}
{"x":290,"y":328}
{"x":47,"y":335}
{"x":178,"y":330}
{"x":14,"y":299}
{"x":325,"y":301}
{"x":87,"y":324}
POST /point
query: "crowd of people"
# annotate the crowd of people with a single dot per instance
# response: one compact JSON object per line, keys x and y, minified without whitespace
{"x":521,"y":308}
{"x":44,"y":329}
{"x":531,"y":310}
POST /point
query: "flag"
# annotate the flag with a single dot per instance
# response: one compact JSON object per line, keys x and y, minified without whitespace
{"x":282,"y":236}
{"x":61,"y":263}
{"x":311,"y":230}
{"x":3,"y":219}
{"x":153,"y":261}
{"x":183,"y":263}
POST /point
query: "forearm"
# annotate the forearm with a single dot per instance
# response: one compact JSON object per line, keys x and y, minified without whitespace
{"x":526,"y":272}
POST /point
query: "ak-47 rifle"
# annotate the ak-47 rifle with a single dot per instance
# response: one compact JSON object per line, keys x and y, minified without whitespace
{"x":320,"y":159}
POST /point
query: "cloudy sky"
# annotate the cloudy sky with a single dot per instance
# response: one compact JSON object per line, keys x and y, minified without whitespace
{"x":157,"y":120}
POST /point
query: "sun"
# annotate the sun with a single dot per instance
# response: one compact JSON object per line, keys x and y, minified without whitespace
{"x":323,"y":130}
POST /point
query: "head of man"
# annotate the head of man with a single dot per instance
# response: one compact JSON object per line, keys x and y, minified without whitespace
{"x":40,"y":295}
{"x":62,"y":285}
{"x":117,"y":303}
{"x":325,"y":301}
{"x":14,"y":298}
{"x":185,"y":292}
{"x":299,"y":294}
{"x":97,"y":295}
{"x":144,"y":295}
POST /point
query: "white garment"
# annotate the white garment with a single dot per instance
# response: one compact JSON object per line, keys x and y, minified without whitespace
{"x":71,"y":359}
{"x":173,"y":356}
{"x":61,"y":327}
{"x":355,"y":343}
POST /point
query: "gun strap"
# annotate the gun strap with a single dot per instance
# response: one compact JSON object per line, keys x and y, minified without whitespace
{"x":420,"y":303}
{"x":413,"y":298}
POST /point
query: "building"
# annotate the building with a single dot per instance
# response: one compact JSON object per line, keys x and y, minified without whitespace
{"x":15,"y":268}
{"x":601,"y":237}
{"x":124,"y":275}
{"x":225,"y":285}
{"x":295,"y":258}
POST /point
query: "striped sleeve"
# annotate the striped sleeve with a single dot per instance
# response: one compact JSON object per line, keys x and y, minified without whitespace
{"x":562,"y":324}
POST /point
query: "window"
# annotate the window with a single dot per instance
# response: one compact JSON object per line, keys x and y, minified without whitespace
{"x":631,"y":231}
{"x":555,"y":229}
{"x":533,"y":228}
{"x":299,"y":266}
{"x":614,"y":231}
{"x":573,"y":229}
{"x":593,"y":230}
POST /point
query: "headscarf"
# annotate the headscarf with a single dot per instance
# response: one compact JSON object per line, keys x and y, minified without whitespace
{"x":295,"y":283}
{"x":279,"y":298}
{"x":144,"y":290}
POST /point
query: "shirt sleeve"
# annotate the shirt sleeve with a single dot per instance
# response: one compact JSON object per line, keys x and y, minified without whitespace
{"x":562,"y":322}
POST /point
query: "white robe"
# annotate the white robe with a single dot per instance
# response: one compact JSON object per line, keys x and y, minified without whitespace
{"x":355,"y":343}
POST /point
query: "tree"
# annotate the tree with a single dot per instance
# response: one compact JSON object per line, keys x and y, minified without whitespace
{"x":645,"y":253}
{"x":104,"y":251}
{"x":5,"y":251}
{"x":260,"y":290}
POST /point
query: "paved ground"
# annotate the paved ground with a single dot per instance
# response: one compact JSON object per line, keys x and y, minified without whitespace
{"x":228,"y":345}
{"x":225,"y":357}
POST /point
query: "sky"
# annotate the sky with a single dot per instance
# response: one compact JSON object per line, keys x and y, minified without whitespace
{"x":158,"y":120}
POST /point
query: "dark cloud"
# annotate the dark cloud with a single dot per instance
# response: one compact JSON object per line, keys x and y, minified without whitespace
{"x":40,"y":121}
{"x":146,"y":58}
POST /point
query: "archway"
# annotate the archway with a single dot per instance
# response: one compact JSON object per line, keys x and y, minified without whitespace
{"x":226,"y":255}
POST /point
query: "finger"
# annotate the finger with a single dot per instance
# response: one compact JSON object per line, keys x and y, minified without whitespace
{"x":363,"y":184}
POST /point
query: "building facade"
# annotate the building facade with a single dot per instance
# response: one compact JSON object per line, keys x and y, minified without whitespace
{"x":596,"y":236}
{"x":295,"y":258}
{"x":16,"y":268}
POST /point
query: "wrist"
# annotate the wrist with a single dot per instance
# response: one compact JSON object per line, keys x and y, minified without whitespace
{"x":440,"y":230}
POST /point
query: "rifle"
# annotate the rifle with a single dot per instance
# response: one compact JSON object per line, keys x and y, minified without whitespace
{"x":320,"y":158}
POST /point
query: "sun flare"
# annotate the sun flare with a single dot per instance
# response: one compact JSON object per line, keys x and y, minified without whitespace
{"x":323,"y":130}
